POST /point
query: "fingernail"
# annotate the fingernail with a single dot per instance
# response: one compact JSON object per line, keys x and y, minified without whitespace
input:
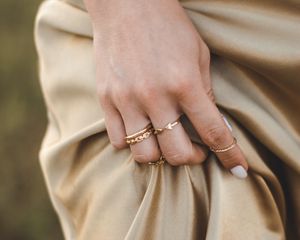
{"x":227,"y":123}
{"x":239,"y":171}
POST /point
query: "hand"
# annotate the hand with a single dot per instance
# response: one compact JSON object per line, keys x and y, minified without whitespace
{"x":153,"y":66}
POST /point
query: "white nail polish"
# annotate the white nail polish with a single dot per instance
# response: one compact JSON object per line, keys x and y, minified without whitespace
{"x":239,"y":171}
{"x":227,"y":123}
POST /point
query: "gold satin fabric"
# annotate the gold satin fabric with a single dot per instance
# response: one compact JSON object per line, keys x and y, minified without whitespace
{"x":99,"y":192}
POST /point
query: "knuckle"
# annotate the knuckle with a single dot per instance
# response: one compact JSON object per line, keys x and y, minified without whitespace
{"x":205,"y":55}
{"x":145,"y":93}
{"x":214,"y":136}
{"x":103,"y":94}
{"x":182,"y":85}
{"x":177,"y":86}
{"x":141,"y":158}
{"x":179,"y":158}
{"x":146,"y":157}
{"x":211,"y":95}
{"x":122,"y":95}
{"x":118,"y":144}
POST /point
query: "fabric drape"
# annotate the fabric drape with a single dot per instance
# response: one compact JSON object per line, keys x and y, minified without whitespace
{"x":99,"y":192}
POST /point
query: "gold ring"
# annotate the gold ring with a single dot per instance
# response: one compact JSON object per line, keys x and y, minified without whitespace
{"x":224,"y":149}
{"x":140,"y":137}
{"x":145,"y":129}
{"x":160,"y":161}
{"x":169,"y":126}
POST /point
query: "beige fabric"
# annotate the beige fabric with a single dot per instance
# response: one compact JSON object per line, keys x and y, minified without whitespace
{"x":102,"y":193}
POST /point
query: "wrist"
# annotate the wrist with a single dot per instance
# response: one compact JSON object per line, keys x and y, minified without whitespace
{"x":103,"y":11}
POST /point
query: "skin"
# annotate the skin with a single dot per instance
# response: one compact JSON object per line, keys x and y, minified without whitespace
{"x":153,"y":66}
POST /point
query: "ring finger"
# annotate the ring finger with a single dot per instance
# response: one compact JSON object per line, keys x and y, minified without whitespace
{"x":147,"y":149}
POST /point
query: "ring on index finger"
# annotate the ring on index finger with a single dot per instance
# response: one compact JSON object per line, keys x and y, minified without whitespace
{"x":225,"y":149}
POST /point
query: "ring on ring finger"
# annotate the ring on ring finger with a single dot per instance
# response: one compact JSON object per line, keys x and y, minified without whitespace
{"x":140,"y":135}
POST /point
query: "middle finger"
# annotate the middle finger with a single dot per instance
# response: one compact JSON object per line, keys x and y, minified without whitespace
{"x":175,"y":144}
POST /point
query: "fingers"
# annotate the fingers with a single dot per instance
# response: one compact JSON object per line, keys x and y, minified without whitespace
{"x":114,"y":126}
{"x":213,"y":131}
{"x":174,"y":142}
{"x":238,"y":170}
{"x":124,"y":119}
{"x":135,"y":120}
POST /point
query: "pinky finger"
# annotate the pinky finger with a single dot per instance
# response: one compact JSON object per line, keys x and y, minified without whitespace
{"x":115,"y":127}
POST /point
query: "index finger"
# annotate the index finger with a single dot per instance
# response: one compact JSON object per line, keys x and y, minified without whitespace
{"x":211,"y":127}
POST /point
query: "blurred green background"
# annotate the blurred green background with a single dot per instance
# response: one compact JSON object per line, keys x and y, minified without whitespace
{"x":25,"y":209}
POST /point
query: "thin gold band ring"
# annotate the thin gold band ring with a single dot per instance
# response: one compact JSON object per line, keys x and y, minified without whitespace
{"x":145,"y":129}
{"x":169,"y":126}
{"x":220,"y":150}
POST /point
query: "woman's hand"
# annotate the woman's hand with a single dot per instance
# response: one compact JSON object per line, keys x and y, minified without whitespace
{"x":152,"y":66}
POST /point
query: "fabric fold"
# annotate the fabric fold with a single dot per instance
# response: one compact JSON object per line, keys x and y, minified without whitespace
{"x":100,"y":192}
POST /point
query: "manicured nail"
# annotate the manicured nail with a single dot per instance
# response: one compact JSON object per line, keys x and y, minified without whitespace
{"x":239,"y":171}
{"x":227,"y":123}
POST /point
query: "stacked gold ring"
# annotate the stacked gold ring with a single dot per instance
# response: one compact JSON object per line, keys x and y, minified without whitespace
{"x":140,"y":135}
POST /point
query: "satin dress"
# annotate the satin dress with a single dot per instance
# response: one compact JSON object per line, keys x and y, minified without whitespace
{"x":100,"y":193}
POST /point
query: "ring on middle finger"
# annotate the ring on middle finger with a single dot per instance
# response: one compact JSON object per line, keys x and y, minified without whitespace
{"x":169,"y":126}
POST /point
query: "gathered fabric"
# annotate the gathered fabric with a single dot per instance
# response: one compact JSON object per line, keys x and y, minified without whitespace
{"x":100,"y":192}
